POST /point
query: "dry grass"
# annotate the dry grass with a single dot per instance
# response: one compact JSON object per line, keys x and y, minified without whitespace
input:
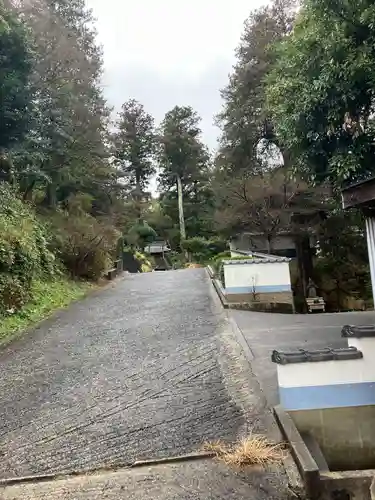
{"x":253,"y":450}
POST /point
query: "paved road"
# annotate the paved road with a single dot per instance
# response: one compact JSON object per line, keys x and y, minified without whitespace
{"x":148,"y":368}
{"x":266,"y":332}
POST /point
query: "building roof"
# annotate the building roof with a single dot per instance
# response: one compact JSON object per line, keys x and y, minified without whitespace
{"x":358,"y":332}
{"x":157,"y":247}
{"x":256,"y":258}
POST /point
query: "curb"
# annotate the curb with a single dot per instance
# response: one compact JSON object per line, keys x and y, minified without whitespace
{"x":217,"y":286}
{"x":292,"y":470}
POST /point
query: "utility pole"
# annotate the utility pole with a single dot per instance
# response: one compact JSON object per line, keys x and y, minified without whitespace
{"x":181,"y":209}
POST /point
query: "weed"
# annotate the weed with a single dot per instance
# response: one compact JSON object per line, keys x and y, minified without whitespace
{"x":253,"y":450}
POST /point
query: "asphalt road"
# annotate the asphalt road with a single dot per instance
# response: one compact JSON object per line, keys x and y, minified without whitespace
{"x":147,"y":368}
{"x":266,"y":332}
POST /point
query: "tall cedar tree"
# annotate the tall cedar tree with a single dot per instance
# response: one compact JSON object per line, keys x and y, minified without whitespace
{"x":16,"y":96}
{"x":65,"y":152}
{"x":183,"y":162}
{"x":244,"y":119}
{"x":135,"y":146}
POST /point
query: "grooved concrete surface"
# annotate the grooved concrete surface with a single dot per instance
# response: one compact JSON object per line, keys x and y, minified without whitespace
{"x":189,"y":480}
{"x":147,"y":368}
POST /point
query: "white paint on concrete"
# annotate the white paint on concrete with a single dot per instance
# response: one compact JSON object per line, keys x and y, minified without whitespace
{"x":367,"y":346}
{"x":351,"y":371}
{"x":270,"y":274}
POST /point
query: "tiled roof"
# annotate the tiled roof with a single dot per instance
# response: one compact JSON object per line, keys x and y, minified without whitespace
{"x":257,"y":260}
{"x":358,"y":331}
{"x":158,"y":247}
{"x":302,"y":356}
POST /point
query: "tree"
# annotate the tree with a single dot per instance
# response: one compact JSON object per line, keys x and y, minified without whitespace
{"x":16,"y":96}
{"x":160,"y":221}
{"x":321,"y":90}
{"x":183,"y":160}
{"x":141,"y":234}
{"x":246,"y":126}
{"x":65,"y":150}
{"x":267,"y":205}
{"x":135,"y":148}
{"x":342,"y":269}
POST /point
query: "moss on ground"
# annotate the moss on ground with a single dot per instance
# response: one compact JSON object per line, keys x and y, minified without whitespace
{"x":48,"y":297}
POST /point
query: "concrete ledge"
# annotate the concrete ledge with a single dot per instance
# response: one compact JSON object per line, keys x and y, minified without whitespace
{"x":307,"y":466}
{"x":210,"y":272}
{"x":266,"y":307}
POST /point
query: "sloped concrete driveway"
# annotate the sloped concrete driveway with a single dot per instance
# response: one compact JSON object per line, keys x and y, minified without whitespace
{"x":147,"y":368}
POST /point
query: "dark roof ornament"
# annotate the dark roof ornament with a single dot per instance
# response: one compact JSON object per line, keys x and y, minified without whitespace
{"x":351,"y":331}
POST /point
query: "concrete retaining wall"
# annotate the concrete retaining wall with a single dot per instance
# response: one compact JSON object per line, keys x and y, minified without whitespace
{"x":346,"y":436}
{"x":331,"y":395}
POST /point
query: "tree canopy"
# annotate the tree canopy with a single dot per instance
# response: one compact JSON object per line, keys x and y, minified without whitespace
{"x":15,"y":71}
{"x":135,"y":144}
{"x":321,"y":90}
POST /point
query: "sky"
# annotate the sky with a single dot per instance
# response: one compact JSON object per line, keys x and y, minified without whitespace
{"x":170,"y":52}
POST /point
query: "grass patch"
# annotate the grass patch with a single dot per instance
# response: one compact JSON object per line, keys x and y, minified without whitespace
{"x":253,"y":450}
{"x":47,"y":298}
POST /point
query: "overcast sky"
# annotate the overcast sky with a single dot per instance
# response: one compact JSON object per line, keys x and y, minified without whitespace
{"x":168,"y":52}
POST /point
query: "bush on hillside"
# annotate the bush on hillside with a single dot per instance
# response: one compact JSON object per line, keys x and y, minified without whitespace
{"x":85,"y":245}
{"x":24,"y":253}
{"x":141,"y":235}
{"x":202,"y":250}
{"x":146,"y":262}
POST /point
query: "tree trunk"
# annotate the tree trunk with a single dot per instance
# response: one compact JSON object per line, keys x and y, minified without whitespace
{"x":181,"y":209}
{"x":50,"y":199}
{"x":28,"y":194}
{"x":269,"y":244}
{"x":305,"y":262}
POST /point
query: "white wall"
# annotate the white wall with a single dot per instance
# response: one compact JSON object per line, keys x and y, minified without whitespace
{"x":269,"y":275}
{"x":321,"y":373}
{"x":367,"y":346}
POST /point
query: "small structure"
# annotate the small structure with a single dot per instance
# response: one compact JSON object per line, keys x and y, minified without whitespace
{"x":261,"y":281}
{"x":159,"y":251}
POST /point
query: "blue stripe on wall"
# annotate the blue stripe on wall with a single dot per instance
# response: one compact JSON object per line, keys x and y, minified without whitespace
{"x":258,"y":289}
{"x":327,"y":396}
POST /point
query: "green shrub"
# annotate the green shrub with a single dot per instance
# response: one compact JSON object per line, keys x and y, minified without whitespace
{"x":141,"y":235}
{"x":202,"y":250}
{"x":177,"y":259}
{"x":217,"y":246}
{"x":86,"y":246}
{"x":145,"y":262}
{"x":24,"y":253}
